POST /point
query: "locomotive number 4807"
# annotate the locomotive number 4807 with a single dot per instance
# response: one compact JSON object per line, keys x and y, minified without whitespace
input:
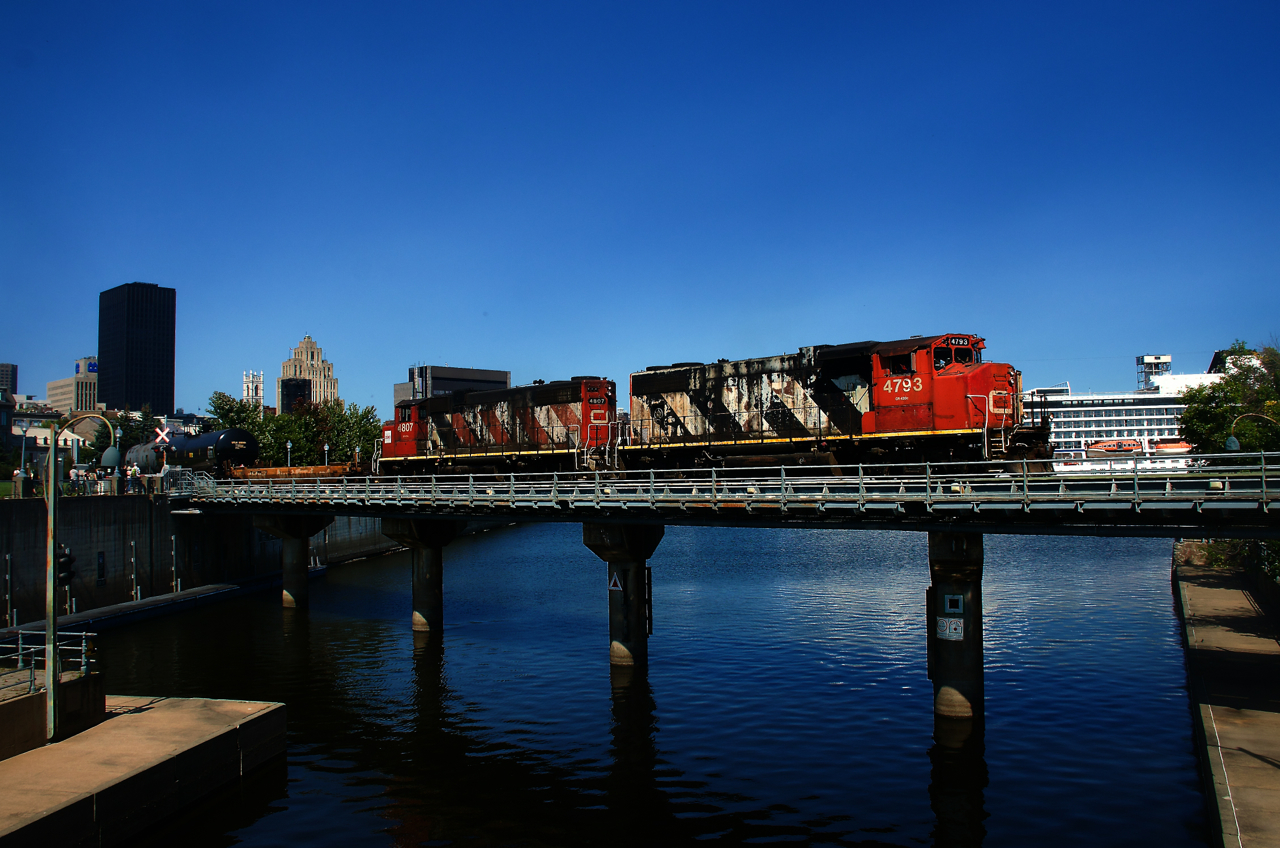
{"x":902,"y":384}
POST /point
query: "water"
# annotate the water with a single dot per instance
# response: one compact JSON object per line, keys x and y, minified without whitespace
{"x":787,"y":700}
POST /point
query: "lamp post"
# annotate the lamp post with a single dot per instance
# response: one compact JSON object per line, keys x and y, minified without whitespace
{"x":288,"y":453}
{"x":52,"y":560}
{"x":20,"y":479}
{"x":326,"y":454}
{"x":1233,"y":444}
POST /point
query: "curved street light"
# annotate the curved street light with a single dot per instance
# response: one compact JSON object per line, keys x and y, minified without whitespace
{"x":1233,"y":444}
{"x":51,"y":670}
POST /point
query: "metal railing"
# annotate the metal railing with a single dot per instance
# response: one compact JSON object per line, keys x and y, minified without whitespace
{"x":1226,"y":481}
{"x":185,"y":481}
{"x":22,"y":655}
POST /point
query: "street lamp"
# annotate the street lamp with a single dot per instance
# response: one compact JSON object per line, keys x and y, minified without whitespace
{"x":24,"y":425}
{"x":326,"y":453}
{"x":288,"y":453}
{"x":1233,"y":444}
{"x":52,"y":575}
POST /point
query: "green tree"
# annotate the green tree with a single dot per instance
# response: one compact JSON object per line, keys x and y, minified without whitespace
{"x":309,"y":427}
{"x":1251,"y":385}
{"x":135,"y":430}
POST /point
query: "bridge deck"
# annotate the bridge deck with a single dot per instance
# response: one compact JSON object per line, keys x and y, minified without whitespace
{"x":1232,"y":497}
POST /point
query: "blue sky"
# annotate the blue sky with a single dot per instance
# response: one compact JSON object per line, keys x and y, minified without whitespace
{"x":560,"y":189}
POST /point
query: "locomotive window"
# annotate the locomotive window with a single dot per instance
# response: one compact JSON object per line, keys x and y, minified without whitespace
{"x":404,"y":413}
{"x":941,"y":358}
{"x":964,"y":355}
{"x":900,"y":364}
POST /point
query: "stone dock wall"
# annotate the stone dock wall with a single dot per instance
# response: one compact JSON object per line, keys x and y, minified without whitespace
{"x":127,"y":541}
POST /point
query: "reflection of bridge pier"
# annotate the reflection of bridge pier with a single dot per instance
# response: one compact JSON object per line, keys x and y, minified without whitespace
{"x":957,"y":778}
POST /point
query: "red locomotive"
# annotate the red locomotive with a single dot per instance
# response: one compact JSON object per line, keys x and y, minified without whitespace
{"x":546,"y":425}
{"x":923,"y":398}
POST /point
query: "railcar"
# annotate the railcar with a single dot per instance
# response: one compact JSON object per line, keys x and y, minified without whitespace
{"x":564,"y":424}
{"x":923,"y":398}
{"x":215,"y":452}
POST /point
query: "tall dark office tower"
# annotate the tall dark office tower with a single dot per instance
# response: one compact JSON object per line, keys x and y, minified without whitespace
{"x":135,"y":347}
{"x":8,"y":378}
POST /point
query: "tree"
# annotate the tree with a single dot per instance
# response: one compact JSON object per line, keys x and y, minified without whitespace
{"x":1250,"y":386}
{"x":136,"y":429}
{"x":309,"y":427}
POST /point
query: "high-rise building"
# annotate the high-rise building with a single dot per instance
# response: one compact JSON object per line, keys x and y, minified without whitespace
{"x":76,"y":393}
{"x":292,"y":390}
{"x":8,"y":378}
{"x":306,"y":361}
{"x":435,"y":380}
{"x":136,"y":333}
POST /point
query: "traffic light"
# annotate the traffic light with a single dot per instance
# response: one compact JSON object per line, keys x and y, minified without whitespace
{"x":64,"y":562}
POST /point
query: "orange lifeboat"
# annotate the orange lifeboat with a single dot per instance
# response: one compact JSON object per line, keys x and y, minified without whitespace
{"x":1114,"y":447}
{"x":1173,"y":447}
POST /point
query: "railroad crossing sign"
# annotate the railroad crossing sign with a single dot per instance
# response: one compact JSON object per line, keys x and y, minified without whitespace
{"x":163,"y":435}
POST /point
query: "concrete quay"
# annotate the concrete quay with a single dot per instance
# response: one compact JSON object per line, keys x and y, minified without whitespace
{"x":146,"y":761}
{"x":1233,"y":667}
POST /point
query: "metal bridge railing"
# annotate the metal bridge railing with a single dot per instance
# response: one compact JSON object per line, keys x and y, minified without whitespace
{"x":1234,"y":479}
{"x":22,"y":655}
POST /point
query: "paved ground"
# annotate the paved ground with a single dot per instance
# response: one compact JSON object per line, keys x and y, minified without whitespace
{"x":150,"y":757}
{"x":1233,"y":660}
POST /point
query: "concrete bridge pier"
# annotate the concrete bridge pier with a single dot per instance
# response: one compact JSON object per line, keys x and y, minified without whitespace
{"x":294,"y":532}
{"x":955,"y":624}
{"x":425,"y":538}
{"x":626,"y":548}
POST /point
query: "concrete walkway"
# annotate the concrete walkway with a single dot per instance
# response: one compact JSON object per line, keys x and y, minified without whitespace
{"x":1233,"y":661}
{"x":151,"y":757}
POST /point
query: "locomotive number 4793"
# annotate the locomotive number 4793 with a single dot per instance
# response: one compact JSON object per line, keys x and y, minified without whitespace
{"x":902,"y":384}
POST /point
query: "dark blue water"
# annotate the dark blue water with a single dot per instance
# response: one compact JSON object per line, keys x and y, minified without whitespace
{"x":787,"y":699}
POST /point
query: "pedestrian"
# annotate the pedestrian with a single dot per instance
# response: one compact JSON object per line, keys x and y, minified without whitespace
{"x":73,"y":480}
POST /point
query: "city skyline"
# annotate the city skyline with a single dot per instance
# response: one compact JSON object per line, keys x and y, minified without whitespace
{"x":584,"y":190}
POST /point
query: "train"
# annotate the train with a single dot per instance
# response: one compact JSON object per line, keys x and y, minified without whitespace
{"x":926,"y":398}
{"x":215,"y":452}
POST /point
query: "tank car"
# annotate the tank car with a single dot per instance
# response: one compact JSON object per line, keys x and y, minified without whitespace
{"x":928,"y":397}
{"x":213,"y":452}
{"x":545,"y":426}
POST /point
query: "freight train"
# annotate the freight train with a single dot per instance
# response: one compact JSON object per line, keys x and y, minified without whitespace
{"x":216,"y":452}
{"x":918,"y":399}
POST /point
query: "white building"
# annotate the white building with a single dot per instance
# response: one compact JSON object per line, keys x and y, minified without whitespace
{"x":252,"y":392}
{"x":1150,"y":415}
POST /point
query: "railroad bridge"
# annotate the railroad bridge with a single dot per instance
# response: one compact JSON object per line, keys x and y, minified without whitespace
{"x":623,"y":516}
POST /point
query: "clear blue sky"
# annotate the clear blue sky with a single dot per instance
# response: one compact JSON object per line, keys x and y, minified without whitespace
{"x":560,"y":189}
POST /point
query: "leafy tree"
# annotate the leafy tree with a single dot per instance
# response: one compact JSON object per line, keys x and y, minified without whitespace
{"x":1251,"y":385}
{"x":135,"y":430}
{"x":309,"y":427}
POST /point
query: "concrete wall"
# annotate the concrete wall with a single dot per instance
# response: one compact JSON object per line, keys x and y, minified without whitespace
{"x":116,"y":538}
{"x":350,"y":538}
{"x":82,"y":703}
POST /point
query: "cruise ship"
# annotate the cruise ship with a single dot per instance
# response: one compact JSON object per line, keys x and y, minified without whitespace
{"x":1101,"y":431}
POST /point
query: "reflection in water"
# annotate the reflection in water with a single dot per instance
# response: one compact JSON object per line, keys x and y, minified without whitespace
{"x":639,"y":808}
{"x":786,"y":700}
{"x":957,"y":780}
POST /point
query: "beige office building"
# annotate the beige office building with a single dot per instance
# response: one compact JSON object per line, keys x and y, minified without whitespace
{"x":78,"y":393}
{"x":308,"y":363}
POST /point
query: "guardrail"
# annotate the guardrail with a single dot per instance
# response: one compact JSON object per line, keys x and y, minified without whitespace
{"x":1226,"y":481}
{"x":22,"y":653}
